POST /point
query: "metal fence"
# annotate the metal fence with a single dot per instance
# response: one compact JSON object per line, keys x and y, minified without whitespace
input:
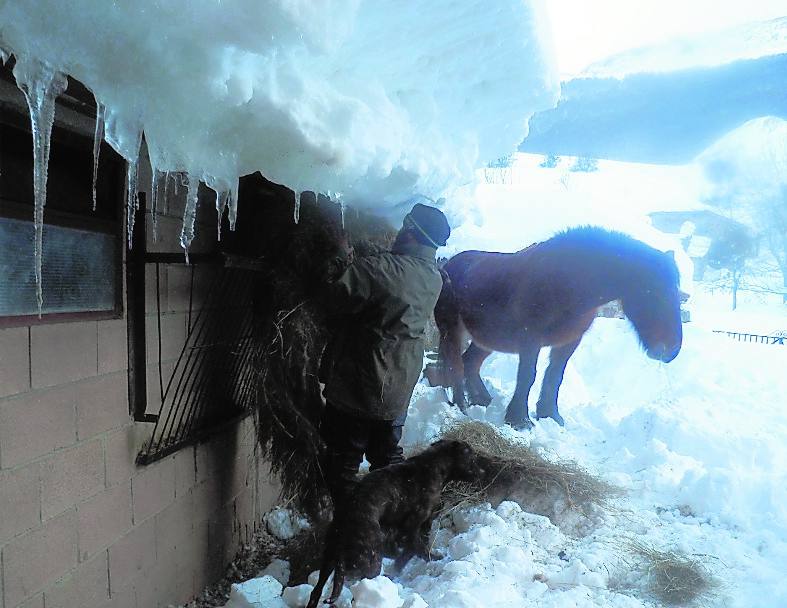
{"x":753,"y":338}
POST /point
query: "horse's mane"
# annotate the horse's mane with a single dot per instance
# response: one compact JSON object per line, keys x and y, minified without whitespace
{"x":595,"y":238}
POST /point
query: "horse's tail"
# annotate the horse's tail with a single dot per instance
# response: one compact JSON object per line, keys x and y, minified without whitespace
{"x":447,"y":291}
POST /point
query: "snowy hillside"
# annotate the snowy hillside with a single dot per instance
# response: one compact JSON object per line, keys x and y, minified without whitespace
{"x":748,"y":41}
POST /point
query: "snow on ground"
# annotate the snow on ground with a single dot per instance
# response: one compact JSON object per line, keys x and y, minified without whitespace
{"x":697,"y":444}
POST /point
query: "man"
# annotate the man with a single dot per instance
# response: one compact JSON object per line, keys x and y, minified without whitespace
{"x":370,"y":370}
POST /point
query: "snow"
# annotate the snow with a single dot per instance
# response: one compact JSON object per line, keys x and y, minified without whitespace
{"x":741,"y":41}
{"x":284,"y":523}
{"x":697,"y":444}
{"x":263,"y":592}
{"x":378,"y":100}
{"x":379,"y":592}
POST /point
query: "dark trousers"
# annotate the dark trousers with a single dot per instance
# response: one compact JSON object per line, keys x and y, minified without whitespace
{"x":348,"y":438}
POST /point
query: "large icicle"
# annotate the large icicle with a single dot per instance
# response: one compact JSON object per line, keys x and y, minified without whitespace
{"x":41,"y":85}
{"x":189,"y":215}
{"x":221,"y":204}
{"x":222,"y":189}
{"x":154,"y":196}
{"x":98,"y":137}
{"x":125,"y":136}
{"x":132,"y":202}
{"x":232,"y":205}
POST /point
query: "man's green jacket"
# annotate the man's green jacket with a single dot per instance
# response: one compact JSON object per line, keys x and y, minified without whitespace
{"x":371,"y":367}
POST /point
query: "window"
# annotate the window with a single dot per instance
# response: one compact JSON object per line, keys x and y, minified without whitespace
{"x":82,"y":253}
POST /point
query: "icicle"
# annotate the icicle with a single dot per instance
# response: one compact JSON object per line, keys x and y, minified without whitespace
{"x":41,"y":85}
{"x":342,"y":207}
{"x":296,"y":213}
{"x":98,"y":137}
{"x":221,"y":204}
{"x":232,"y":205}
{"x":125,"y":136}
{"x":154,"y":196}
{"x":189,"y":215}
{"x":166,"y":188}
{"x":132,"y":202}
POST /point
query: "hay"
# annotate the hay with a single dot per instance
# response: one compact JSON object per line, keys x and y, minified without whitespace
{"x":513,"y":471}
{"x":673,"y":578}
{"x":293,"y":330}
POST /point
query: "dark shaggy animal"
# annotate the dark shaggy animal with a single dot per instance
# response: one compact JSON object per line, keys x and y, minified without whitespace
{"x":548,"y":295}
{"x":395,"y":503}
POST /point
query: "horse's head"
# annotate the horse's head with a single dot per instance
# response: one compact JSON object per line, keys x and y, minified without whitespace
{"x":652,"y":303}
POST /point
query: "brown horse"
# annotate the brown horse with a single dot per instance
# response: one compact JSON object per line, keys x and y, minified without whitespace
{"x":548,"y":295}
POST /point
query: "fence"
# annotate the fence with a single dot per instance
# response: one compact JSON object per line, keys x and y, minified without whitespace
{"x":753,"y":338}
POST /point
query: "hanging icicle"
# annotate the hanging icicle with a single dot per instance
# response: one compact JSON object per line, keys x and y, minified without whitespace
{"x":342,"y":206}
{"x":154,"y":196}
{"x":221,"y":204}
{"x":189,"y":215}
{"x":98,"y":137}
{"x":296,"y":212}
{"x":41,"y":85}
{"x":166,"y":190}
{"x":232,"y":205}
{"x":132,"y":202}
{"x":125,"y":136}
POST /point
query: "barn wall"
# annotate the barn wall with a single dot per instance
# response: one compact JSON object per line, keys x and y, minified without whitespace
{"x":80,"y":523}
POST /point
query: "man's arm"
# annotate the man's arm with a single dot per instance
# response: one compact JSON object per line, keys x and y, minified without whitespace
{"x":350,"y":292}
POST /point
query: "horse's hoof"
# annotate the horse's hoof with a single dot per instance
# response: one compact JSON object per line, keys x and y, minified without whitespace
{"x":524,"y":424}
{"x":554,"y":416}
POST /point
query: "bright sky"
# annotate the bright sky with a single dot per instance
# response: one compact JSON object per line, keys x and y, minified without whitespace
{"x":588,"y":30}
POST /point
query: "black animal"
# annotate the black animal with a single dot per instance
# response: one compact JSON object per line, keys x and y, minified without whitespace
{"x":395,"y":503}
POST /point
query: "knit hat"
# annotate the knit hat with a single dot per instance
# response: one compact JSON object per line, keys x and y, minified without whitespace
{"x":428,"y":224}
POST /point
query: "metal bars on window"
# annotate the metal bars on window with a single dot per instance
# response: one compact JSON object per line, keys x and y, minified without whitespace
{"x":213,"y":381}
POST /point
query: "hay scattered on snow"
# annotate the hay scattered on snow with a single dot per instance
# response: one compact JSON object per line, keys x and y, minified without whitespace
{"x":673,"y":578}
{"x":514,"y":471}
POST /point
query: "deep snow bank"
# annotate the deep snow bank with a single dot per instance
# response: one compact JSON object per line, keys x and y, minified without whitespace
{"x":377,"y":100}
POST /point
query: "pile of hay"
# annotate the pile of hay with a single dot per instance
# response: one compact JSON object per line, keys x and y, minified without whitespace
{"x":673,"y":578}
{"x":513,"y":471}
{"x":293,"y":330}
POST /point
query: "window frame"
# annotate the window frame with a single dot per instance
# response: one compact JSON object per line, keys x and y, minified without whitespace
{"x":74,"y":119}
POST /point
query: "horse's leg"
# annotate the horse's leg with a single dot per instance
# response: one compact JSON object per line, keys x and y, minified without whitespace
{"x":553,"y":376}
{"x":473,"y":359}
{"x":451,"y":335}
{"x":516,"y":414}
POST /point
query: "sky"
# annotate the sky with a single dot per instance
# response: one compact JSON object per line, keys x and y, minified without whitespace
{"x":585,"y":31}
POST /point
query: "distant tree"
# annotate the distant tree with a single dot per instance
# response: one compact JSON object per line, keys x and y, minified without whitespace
{"x":772,"y":219}
{"x":499,"y":170}
{"x":748,"y":173}
{"x":550,"y":161}
{"x":584,"y":164}
{"x":501,"y":163}
{"x":733,"y":252}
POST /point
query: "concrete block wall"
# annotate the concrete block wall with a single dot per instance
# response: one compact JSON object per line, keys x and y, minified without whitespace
{"x":81,"y":526}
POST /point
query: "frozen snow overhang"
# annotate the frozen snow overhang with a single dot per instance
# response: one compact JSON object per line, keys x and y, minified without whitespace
{"x":662,"y":118}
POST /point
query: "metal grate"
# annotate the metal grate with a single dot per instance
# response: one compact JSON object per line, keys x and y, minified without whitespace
{"x":756,"y":338}
{"x":213,"y":381}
